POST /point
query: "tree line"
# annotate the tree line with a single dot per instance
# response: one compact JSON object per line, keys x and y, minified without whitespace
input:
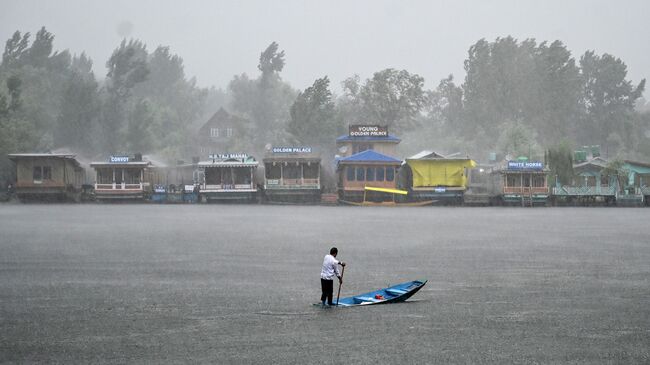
{"x":518,"y":98}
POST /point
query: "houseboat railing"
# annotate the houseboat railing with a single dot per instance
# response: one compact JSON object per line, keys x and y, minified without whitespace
{"x":121,"y":186}
{"x":584,"y":190}
{"x":227,"y":187}
{"x":292,"y":182}
{"x":524,"y":190}
{"x":645,"y":190}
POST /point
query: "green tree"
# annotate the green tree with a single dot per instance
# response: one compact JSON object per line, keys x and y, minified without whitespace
{"x":264,"y":101}
{"x":313,"y":116}
{"x":391,"y":97}
{"x":559,"y":160}
{"x":127,"y":67}
{"x":79,"y":111}
{"x":609,"y":100}
{"x":517,"y":140}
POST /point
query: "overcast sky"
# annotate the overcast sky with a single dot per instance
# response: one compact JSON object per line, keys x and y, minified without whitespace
{"x":218,"y":39}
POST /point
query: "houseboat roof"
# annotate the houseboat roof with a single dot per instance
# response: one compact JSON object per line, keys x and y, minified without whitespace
{"x":596,"y":161}
{"x":387,"y":139}
{"x":369,"y":156}
{"x":637,"y":163}
{"x":121,"y":164}
{"x":426,"y":154}
{"x":292,"y":158}
{"x":229,"y":163}
{"x":28,"y":155}
{"x":17,"y":156}
{"x":432,"y":155}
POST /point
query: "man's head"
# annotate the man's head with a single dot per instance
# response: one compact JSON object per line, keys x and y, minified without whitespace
{"x":334,"y":251}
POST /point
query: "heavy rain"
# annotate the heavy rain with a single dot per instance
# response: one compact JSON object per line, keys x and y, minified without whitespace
{"x":174,"y":179}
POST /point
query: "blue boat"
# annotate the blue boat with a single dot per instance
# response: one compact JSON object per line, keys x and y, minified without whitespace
{"x":393,"y":294}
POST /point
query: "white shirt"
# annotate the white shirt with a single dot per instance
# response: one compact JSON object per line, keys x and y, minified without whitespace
{"x":330,"y":268}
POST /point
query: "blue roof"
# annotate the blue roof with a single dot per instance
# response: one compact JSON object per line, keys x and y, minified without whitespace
{"x":346,"y":138}
{"x":369,"y":156}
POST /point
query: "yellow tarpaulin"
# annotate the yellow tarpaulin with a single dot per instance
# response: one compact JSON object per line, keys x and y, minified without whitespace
{"x":440,"y":172}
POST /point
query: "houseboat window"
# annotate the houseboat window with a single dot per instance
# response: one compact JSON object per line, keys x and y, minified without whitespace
{"x":227,"y":176}
{"x":228,"y":132}
{"x":242,"y":176}
{"x":132,"y":176}
{"x":42,"y":173}
{"x":390,"y":173}
{"x":644,"y":180}
{"x":104,"y":176}
{"x":526,"y":180}
{"x":291,"y":171}
{"x":370,"y":174}
{"x":591,"y":181}
{"x":361,"y":147}
{"x":538,"y":181}
{"x":118,"y":175}
{"x":310,"y":171}
{"x":513,"y":181}
{"x":272,"y":172}
{"x":350,"y":173}
{"x":38,"y":174}
{"x":213,"y":176}
{"x":361,"y":173}
{"x":214,"y":132}
{"x":380,"y":174}
{"x":604,"y":180}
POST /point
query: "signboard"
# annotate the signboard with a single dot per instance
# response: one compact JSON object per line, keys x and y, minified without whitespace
{"x":440,"y":189}
{"x":525,"y":165}
{"x":368,"y":131}
{"x":227,"y":156}
{"x":291,"y":150}
{"x":119,"y":159}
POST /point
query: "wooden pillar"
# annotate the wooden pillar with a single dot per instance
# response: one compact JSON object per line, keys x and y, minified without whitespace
{"x":302,"y":174}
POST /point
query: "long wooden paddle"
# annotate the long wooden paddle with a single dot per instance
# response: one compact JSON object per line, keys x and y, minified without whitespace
{"x":339,"y":294}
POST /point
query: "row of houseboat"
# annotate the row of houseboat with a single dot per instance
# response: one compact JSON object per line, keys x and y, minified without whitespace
{"x":365,"y":171}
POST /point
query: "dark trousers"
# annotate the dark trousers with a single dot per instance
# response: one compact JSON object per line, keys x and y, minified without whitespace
{"x":328,"y":290}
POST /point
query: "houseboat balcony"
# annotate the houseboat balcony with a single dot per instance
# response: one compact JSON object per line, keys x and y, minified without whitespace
{"x":120,"y":191}
{"x":585,"y":190}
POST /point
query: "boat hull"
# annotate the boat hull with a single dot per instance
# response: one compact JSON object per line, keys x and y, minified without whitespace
{"x":393,"y":294}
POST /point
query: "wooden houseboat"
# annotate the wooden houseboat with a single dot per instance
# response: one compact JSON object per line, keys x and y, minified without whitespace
{"x":48,"y":176}
{"x":292,"y":175}
{"x":592,"y":185}
{"x":367,"y":137}
{"x":367,"y":169}
{"x":521,"y":183}
{"x":123,"y":178}
{"x":479,"y":179}
{"x":228,"y":178}
{"x":432,"y":176}
{"x":175,"y":184}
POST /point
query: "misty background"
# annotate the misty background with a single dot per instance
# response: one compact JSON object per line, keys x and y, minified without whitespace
{"x":511,"y":77}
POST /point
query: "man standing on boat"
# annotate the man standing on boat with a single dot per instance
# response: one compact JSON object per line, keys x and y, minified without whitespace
{"x":328,"y":272}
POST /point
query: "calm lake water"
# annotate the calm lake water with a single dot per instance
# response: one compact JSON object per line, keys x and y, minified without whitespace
{"x":235,"y":284}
